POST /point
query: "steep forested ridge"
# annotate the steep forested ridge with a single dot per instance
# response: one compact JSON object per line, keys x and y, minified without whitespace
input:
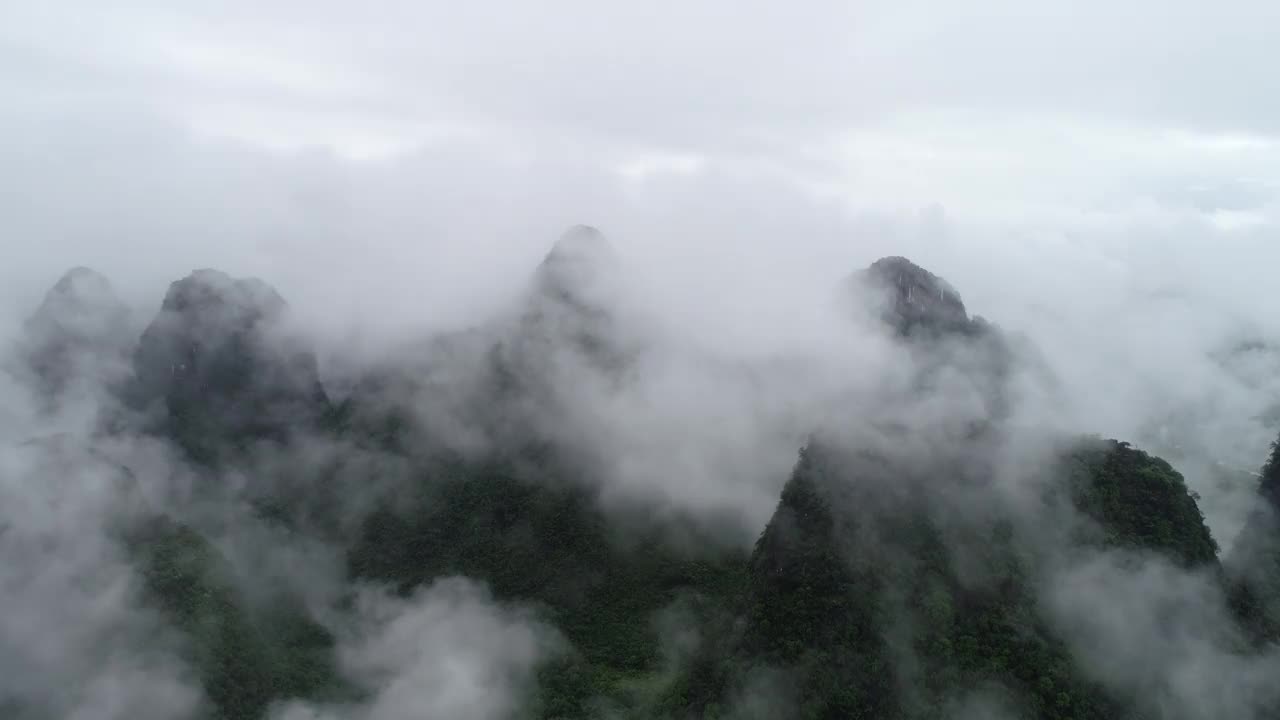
{"x":1254,"y":563}
{"x":893,"y":580}
{"x":864,"y":613}
{"x":246,"y":656}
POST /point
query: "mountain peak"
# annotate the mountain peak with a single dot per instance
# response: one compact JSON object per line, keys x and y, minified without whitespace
{"x":82,"y":282}
{"x":578,"y":280}
{"x":213,"y":357}
{"x":917,"y":287}
{"x":909,"y":296}
{"x":582,"y":241}
{"x":205,"y":289}
{"x":579,"y":267}
{"x":79,"y":292}
{"x":80,"y":329}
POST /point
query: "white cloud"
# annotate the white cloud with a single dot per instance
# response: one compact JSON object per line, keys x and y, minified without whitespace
{"x":400,"y":164}
{"x":449,"y":651}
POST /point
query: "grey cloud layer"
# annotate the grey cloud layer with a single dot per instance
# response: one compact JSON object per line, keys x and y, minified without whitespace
{"x":1101,"y":178}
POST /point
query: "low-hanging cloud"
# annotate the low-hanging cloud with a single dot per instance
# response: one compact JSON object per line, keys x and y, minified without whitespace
{"x":449,"y":650}
{"x":1098,"y":181}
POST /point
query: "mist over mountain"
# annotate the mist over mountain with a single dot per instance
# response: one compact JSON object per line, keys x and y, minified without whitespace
{"x":77,"y":340}
{"x":571,"y":509}
{"x":895,"y":359}
{"x":210,"y":371}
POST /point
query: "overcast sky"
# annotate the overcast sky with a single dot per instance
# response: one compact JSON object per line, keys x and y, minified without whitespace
{"x":407,"y":162}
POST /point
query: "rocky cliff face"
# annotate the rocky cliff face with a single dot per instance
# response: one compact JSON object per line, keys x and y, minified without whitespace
{"x":215,"y":366}
{"x":951,"y":352}
{"x":911,"y":299}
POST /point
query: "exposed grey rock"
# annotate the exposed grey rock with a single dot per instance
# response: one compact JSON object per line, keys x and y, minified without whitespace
{"x":215,"y":363}
{"x":973,"y":357}
{"x":910,"y":298}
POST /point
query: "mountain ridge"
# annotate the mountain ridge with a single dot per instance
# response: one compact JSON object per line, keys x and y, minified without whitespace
{"x":896,"y":574}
